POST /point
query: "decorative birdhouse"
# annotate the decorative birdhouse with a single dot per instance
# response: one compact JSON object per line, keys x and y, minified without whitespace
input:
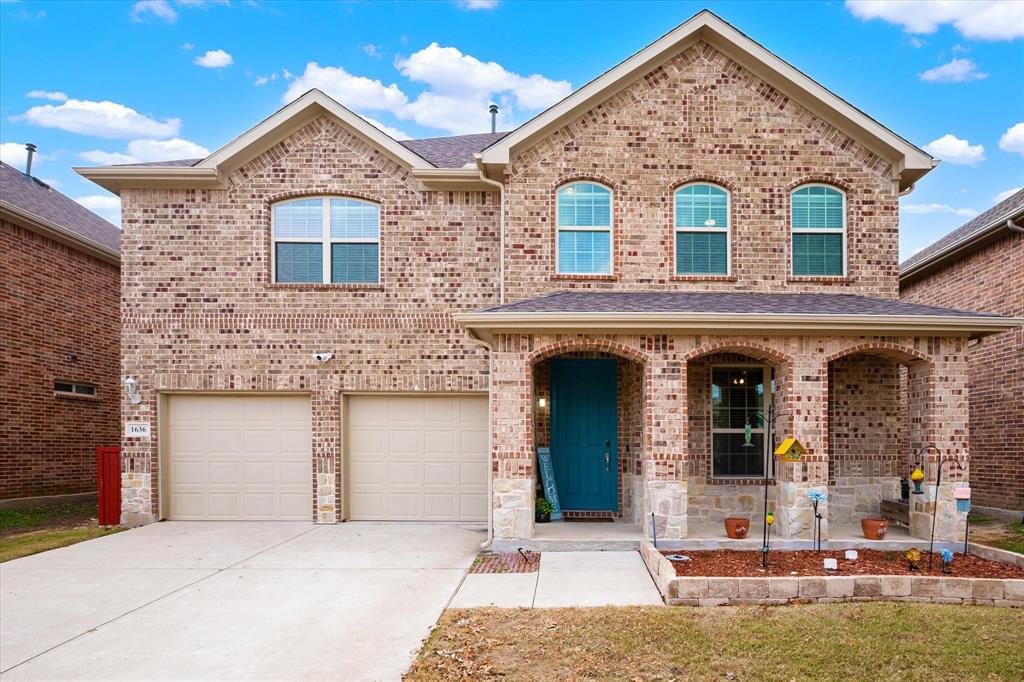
{"x":962,"y":496}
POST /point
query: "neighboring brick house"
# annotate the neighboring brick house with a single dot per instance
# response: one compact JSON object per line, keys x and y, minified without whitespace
{"x":60,"y":284}
{"x":326,"y":323}
{"x":980,"y":266}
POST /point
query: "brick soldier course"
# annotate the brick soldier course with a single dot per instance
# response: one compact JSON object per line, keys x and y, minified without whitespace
{"x":201,"y":312}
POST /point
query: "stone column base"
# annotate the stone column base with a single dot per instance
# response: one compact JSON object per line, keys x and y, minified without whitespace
{"x":794,"y":512}
{"x":513,"y":508}
{"x":949,"y":523}
{"x":136,"y":499}
{"x":667,"y":501}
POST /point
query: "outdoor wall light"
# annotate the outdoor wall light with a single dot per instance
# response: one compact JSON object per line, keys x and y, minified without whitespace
{"x":131,"y":389}
{"x":542,"y":402}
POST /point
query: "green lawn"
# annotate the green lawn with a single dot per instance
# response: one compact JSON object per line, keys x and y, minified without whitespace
{"x":36,"y":529}
{"x":870,"y":641}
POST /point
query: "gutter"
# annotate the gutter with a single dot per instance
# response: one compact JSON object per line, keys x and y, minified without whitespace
{"x":1006,"y":220}
{"x":476,"y":340}
{"x":61,"y":234}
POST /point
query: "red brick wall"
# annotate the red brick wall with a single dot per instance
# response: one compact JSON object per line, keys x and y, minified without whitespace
{"x":989,"y":280}
{"x":57,"y":301}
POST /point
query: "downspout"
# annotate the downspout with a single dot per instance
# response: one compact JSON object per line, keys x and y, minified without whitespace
{"x":501,"y":228}
{"x":474,"y":339}
{"x":1014,"y":227}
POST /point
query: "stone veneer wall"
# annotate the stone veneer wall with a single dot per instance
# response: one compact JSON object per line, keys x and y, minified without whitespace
{"x":200,"y":311}
{"x":990,"y":279}
{"x":867,"y":454}
{"x":57,"y":301}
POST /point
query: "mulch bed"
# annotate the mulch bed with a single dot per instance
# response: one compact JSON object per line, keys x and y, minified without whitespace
{"x":506,"y":563}
{"x":782,"y":563}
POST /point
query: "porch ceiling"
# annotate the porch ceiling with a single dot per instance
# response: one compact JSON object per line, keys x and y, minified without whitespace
{"x":713,"y":312}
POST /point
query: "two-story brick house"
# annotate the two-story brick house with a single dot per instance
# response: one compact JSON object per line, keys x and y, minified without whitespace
{"x":326,"y":323}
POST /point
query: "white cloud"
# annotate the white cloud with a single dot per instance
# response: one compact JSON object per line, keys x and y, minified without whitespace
{"x":372,"y":51}
{"x":975,"y":19}
{"x":915,"y":42}
{"x":956,"y":151}
{"x":100,"y":119}
{"x":105,"y":205}
{"x":474,"y":5}
{"x":13,"y":153}
{"x":956,"y":71}
{"x":55,"y":95}
{"x":1006,"y":194}
{"x":461,"y":87}
{"x":158,"y":8}
{"x":263,"y":80}
{"x":354,"y":92}
{"x":187,"y":46}
{"x":938,"y":208}
{"x":214,"y":59}
{"x":393,"y":132}
{"x":143,"y":151}
{"x":1013,"y":139}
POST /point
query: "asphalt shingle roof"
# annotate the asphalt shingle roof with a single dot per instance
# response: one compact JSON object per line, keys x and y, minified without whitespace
{"x":1008,"y":207}
{"x":726,"y":302}
{"x":41,"y":200}
{"x":452,"y":152}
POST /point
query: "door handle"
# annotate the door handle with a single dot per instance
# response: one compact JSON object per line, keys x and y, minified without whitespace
{"x":607,"y":461}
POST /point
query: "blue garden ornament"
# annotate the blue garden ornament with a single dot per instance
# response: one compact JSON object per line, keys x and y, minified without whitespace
{"x":947,"y":556}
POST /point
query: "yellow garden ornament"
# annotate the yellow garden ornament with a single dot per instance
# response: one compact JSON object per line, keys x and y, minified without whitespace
{"x":917,"y":476}
{"x":769,"y":518}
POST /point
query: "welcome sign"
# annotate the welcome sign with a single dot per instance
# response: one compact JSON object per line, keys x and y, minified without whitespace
{"x":547,"y":477}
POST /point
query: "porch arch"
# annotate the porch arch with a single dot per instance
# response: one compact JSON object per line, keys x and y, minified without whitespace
{"x":598,"y":345}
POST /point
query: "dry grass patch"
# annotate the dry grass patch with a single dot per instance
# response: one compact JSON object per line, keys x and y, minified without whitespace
{"x":880,"y":641}
{"x":31,"y":530}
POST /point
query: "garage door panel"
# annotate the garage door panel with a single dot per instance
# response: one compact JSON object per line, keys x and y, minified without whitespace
{"x":239,"y":457}
{"x":406,"y":457}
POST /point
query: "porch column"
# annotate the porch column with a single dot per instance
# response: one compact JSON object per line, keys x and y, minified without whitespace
{"x":512,"y":457}
{"x":665,"y":461}
{"x":938,"y":406}
{"x":804,"y":416}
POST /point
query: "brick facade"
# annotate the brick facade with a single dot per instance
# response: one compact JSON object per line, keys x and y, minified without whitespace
{"x":58,"y":303}
{"x":201,"y":312}
{"x":990,"y":279}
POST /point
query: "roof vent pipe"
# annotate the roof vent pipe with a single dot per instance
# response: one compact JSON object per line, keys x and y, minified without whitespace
{"x":31,"y":149}
{"x":494,"y":117}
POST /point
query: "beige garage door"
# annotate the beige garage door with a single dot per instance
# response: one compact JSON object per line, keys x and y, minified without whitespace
{"x":234,"y":458}
{"x":412,"y":458}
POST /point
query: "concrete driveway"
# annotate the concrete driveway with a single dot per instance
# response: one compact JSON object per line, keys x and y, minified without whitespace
{"x":192,"y":600}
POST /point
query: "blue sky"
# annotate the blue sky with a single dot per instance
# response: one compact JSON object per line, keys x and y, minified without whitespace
{"x":116,"y":82}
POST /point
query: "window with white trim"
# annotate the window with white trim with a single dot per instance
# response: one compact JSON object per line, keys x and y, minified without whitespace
{"x":326,"y":240}
{"x":818,"y":221}
{"x":73,"y":388}
{"x":739,"y":398}
{"x":702,"y":230}
{"x":584,"y":225}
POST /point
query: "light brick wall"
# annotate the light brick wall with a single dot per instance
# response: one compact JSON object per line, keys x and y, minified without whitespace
{"x":57,"y":301}
{"x":990,"y":280}
{"x":700,"y":116}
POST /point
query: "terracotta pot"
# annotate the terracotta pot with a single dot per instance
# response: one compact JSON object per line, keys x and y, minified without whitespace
{"x":737,"y":527}
{"x":874,"y":529}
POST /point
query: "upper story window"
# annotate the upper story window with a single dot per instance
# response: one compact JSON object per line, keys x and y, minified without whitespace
{"x":818,"y":219}
{"x":702,"y":230}
{"x":584,"y":243}
{"x":325,"y":239}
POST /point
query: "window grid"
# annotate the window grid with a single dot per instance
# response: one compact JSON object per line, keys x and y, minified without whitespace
{"x":710,"y":246}
{"x":342,"y":221}
{"x":583,"y":244}
{"x":818,"y":223}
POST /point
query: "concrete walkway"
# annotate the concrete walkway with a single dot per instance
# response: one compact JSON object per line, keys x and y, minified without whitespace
{"x":231,"y":601}
{"x":565,"y":579}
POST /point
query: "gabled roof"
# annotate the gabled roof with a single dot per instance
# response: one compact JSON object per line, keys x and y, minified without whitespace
{"x":966,"y":238}
{"x":452,"y":152}
{"x":34,"y":204}
{"x":741,"y":313}
{"x":212,"y":171}
{"x":910,"y":161}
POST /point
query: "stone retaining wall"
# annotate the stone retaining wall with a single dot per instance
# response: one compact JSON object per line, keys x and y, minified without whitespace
{"x":711,"y":591}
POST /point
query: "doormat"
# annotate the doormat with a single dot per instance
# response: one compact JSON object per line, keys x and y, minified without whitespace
{"x":590,"y":519}
{"x":514,"y":562}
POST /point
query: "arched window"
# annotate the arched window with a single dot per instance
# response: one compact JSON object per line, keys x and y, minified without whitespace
{"x":326,"y":239}
{"x":702,"y":230}
{"x":818,"y":221}
{"x":584,"y":224}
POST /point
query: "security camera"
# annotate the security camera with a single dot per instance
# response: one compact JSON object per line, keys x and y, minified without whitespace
{"x":323,"y":357}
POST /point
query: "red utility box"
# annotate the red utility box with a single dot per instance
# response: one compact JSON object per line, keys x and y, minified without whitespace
{"x":108,"y":466}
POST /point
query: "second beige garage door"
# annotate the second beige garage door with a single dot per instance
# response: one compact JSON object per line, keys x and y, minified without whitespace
{"x":417,"y":458}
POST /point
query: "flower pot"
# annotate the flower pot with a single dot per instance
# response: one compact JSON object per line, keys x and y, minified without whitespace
{"x":874,"y":529}
{"x":542,"y":518}
{"x":737,"y":527}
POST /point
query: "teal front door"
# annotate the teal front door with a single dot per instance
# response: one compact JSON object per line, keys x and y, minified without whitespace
{"x":584,"y":434}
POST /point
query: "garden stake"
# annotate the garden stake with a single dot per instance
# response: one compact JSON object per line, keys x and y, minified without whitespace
{"x":935,"y":504}
{"x":654,"y":531}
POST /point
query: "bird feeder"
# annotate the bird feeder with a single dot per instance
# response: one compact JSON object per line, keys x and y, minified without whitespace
{"x":963,"y":499}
